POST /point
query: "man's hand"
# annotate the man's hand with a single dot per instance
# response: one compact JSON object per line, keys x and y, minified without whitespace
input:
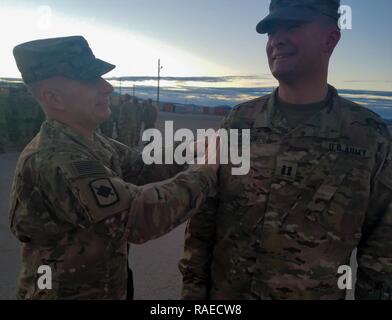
{"x":208,"y":153}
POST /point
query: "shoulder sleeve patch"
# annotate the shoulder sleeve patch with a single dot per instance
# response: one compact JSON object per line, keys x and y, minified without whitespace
{"x":104,"y":192}
{"x":100,"y":193}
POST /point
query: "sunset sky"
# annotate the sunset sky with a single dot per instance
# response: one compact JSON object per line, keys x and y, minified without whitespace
{"x":195,"y":38}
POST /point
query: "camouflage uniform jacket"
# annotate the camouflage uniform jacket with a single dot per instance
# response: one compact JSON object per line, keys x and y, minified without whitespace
{"x":72,"y":210}
{"x":129,"y":116}
{"x":128,"y":124}
{"x":150,"y":114}
{"x":312,"y":195}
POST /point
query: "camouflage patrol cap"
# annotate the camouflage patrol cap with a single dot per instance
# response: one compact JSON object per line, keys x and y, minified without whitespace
{"x":67,"y":56}
{"x":298,"y":11}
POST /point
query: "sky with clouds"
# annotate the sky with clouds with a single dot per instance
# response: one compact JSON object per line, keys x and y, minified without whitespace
{"x":195,"y":38}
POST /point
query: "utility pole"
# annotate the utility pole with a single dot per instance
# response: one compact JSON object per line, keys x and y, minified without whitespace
{"x":159,"y":78}
{"x":134,"y":91}
{"x":120,"y":85}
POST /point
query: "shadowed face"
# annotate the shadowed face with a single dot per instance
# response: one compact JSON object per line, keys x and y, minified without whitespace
{"x":87,"y":101}
{"x":296,"y":50}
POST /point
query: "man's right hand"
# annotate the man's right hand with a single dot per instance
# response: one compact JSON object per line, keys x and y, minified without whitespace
{"x":209,"y":156}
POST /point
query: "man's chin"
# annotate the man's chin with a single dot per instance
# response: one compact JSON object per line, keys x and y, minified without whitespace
{"x":101,"y":118}
{"x":284,"y":76}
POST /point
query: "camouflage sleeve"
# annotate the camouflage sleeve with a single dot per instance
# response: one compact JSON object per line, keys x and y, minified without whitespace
{"x":199,"y":242}
{"x":53,"y":196}
{"x":158,"y":208}
{"x":136,"y":172}
{"x":42,"y":206}
{"x":158,"y":172}
{"x":374,"y":256}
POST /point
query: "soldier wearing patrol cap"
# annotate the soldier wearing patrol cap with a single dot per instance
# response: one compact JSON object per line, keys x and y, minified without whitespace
{"x":71,"y":205}
{"x":319,"y":185}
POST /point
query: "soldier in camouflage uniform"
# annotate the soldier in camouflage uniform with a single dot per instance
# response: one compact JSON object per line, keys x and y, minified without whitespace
{"x":319,"y":185}
{"x":128,"y":120}
{"x":71,"y":205}
{"x":139,"y":123}
{"x":150,"y":114}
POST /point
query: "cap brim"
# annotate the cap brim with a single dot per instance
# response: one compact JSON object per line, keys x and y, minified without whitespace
{"x":291,"y":14}
{"x":97,"y":68}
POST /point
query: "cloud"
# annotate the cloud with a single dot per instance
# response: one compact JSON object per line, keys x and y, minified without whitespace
{"x":189,"y":79}
{"x":369,"y":81}
{"x":232,"y":90}
{"x":132,"y":53}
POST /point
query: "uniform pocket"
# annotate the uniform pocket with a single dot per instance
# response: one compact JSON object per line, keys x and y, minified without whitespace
{"x":315,"y":212}
{"x":339,"y":204}
{"x":322,"y":211}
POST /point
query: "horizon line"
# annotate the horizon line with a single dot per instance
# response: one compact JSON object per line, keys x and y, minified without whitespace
{"x":211,"y":79}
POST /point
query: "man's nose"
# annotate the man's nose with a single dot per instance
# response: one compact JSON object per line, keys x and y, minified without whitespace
{"x":278,"y":38}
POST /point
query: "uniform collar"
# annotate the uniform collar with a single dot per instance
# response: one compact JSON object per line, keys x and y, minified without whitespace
{"x":324,"y":124}
{"x":57,"y":130}
{"x":59,"y":133}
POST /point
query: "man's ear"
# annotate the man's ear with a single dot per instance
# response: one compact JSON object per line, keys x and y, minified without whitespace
{"x":52,"y":98}
{"x":332,"y":40}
